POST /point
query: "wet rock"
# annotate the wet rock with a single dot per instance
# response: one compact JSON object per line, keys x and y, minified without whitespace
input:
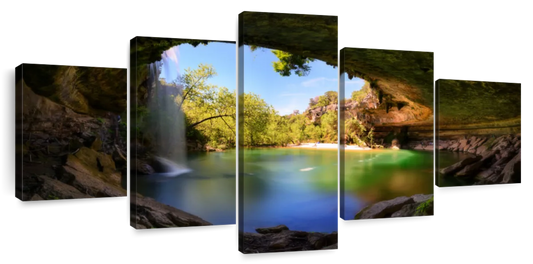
{"x":418,"y":198}
{"x":493,"y":178}
{"x":52,"y":189}
{"x":299,"y":234}
{"x":384,"y":208}
{"x":470,"y":170}
{"x":406,"y":210}
{"x":97,"y":145}
{"x":488,"y":155}
{"x":462,"y":144}
{"x":443,"y":145}
{"x":143,"y":167}
{"x":453,"y":146}
{"x":93,"y":173}
{"x":334,"y":246}
{"x":316,"y":240}
{"x":507,"y":154}
{"x":270,"y":230}
{"x":36,"y":197}
{"x":147,"y":212}
{"x":286,"y":240}
{"x":279,"y":243}
{"x":481,"y":149}
{"x":512,"y":171}
{"x":459,"y":165}
{"x":484,"y":175}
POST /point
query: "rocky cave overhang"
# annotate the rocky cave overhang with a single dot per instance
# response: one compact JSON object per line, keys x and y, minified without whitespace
{"x":85,"y":88}
{"x":403,"y":76}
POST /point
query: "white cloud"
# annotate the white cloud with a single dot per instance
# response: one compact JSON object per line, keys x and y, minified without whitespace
{"x":317,"y":82}
{"x":288,"y":108}
{"x":354,"y":84}
{"x":291,"y":94}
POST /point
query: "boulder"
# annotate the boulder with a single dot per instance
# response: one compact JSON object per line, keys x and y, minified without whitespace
{"x":472,"y":169}
{"x":143,"y":167}
{"x":147,"y":213}
{"x":97,"y":144}
{"x":52,"y":189}
{"x":462,"y":145}
{"x":93,"y":173}
{"x":270,"y":230}
{"x":459,"y":165}
{"x":442,"y":144}
{"x":279,"y":242}
{"x":286,"y":240}
{"x":320,"y":240}
{"x":384,"y":208}
{"x":517,"y":144}
{"x":481,"y":149}
{"x":406,"y":210}
{"x":418,"y":198}
{"x":512,"y":171}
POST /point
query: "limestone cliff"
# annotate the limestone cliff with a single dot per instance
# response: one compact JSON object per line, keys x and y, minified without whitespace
{"x":88,"y":90}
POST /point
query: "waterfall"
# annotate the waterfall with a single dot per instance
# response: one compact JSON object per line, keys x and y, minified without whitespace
{"x":167,"y":124}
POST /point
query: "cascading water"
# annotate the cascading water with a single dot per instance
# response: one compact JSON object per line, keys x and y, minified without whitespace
{"x":166,"y":118}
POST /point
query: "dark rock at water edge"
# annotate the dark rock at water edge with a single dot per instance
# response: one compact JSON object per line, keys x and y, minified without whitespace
{"x":281,"y":239}
{"x":495,"y":159}
{"x":416,"y":205}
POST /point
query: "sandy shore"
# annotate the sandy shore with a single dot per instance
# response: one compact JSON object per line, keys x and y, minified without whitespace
{"x":327,"y":146}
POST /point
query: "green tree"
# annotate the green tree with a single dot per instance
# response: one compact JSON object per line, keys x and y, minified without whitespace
{"x":209,"y":109}
{"x":362,"y":93}
{"x":328,"y":124}
{"x":288,"y":62}
{"x":322,"y":101}
{"x":256,"y":118}
{"x":332,"y":96}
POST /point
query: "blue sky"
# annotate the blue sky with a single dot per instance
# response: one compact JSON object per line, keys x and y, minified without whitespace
{"x":355,"y":84}
{"x":221,"y":56}
{"x":285,"y":94}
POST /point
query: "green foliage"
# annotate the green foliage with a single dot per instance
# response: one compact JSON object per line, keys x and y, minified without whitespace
{"x":328,"y":125}
{"x":209,"y":109}
{"x":290,"y":62}
{"x":370,"y":137}
{"x":424,"y":207}
{"x":52,"y":197}
{"x":355,"y":131}
{"x":329,"y":97}
{"x":359,"y":95}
